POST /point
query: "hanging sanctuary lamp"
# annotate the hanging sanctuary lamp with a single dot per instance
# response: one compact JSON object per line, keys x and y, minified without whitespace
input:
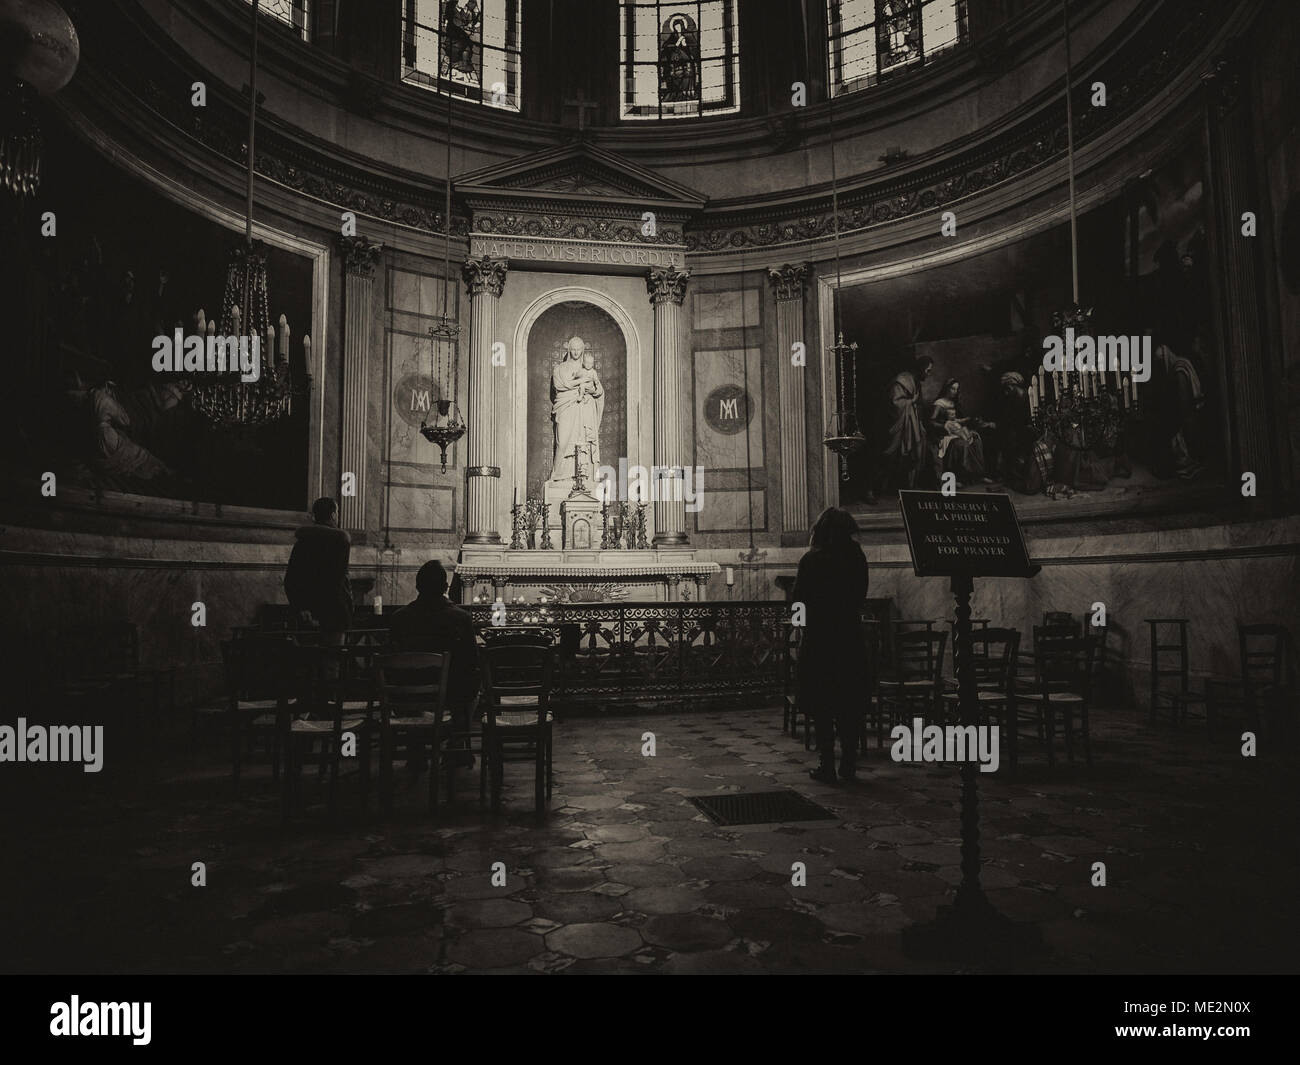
{"x":448,"y":425}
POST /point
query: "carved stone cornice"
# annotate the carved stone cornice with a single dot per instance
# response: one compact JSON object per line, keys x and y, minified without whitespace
{"x":788,"y":280}
{"x":485,"y":275}
{"x":359,"y":255}
{"x":667,"y":284}
{"x":1156,"y":54}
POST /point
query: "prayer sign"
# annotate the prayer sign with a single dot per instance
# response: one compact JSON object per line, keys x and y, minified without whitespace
{"x":964,"y":535}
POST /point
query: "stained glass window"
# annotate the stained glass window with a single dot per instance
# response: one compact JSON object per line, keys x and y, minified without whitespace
{"x":291,"y":12}
{"x":468,"y":48}
{"x":680,"y":60}
{"x":871,"y":39}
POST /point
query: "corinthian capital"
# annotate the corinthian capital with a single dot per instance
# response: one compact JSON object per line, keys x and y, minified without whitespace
{"x":788,"y":280}
{"x":667,"y":284}
{"x":359,"y":255}
{"x":485,"y":275}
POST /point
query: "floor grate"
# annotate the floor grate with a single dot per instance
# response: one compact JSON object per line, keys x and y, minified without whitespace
{"x":760,"y":808}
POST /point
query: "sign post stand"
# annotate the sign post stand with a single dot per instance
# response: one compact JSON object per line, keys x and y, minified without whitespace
{"x":962,"y":537}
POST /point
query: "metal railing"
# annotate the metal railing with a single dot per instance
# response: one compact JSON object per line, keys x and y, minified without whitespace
{"x":614,"y":653}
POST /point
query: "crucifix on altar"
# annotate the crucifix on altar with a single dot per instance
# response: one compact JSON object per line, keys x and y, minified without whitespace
{"x":580,"y":512}
{"x":580,"y":482}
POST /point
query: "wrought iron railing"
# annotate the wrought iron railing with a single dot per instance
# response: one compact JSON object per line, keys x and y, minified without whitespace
{"x":656,"y":652}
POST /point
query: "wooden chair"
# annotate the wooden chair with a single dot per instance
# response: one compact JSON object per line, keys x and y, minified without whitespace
{"x":1265,"y":670}
{"x":319,"y":722}
{"x":916,"y":679}
{"x":516,"y":715}
{"x":1169,"y":659}
{"x":256,"y":699}
{"x":875,"y":646}
{"x":1063,"y":667}
{"x":1060,"y":623}
{"x":412,"y":692}
{"x":993,"y":661}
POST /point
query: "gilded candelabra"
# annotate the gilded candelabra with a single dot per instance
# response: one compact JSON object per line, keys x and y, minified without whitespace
{"x":1084,"y":407}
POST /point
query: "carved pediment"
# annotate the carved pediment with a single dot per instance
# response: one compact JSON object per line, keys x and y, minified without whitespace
{"x":577,"y":174}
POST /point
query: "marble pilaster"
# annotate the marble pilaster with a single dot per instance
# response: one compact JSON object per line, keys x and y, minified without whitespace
{"x":359,"y":258}
{"x":788,"y":288}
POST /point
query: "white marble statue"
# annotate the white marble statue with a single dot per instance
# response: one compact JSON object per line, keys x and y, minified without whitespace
{"x":578,"y":404}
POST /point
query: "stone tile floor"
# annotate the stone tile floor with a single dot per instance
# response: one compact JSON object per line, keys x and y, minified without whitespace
{"x":625,"y":876}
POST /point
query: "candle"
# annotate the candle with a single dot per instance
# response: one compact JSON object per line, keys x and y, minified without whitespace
{"x":1124,"y":388}
{"x":379,"y":604}
{"x":283,"y":351}
{"x":731,"y":576}
{"x":1033,"y":403}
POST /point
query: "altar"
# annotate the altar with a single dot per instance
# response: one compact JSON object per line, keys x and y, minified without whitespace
{"x":576,"y":577}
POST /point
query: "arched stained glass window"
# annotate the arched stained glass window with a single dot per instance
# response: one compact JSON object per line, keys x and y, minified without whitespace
{"x":292,"y":13}
{"x":680,"y":60}
{"x":871,"y":39}
{"x":468,"y":48}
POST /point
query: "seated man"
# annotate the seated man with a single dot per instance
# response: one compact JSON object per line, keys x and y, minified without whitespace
{"x":432,"y":623}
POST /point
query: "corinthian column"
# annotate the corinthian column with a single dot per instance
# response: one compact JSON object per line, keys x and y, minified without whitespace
{"x":787,"y":285}
{"x":485,"y":278}
{"x":359,"y":257}
{"x":667,"y":288}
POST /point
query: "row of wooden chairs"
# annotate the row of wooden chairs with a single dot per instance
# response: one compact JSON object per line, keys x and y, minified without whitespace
{"x":1263,"y":691}
{"x":907,"y":682}
{"x":311,"y":703}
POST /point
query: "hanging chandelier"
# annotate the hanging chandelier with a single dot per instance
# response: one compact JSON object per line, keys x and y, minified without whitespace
{"x":1088,"y":407}
{"x":41,"y":51}
{"x":448,"y":425}
{"x":230,"y":402}
{"x":226,"y":403}
{"x":843,"y":435}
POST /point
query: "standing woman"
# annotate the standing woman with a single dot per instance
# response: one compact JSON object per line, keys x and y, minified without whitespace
{"x":832,"y":673}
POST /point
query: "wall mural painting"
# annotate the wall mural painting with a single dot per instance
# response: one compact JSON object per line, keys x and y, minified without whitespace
{"x":129,"y":266}
{"x":949,"y":381}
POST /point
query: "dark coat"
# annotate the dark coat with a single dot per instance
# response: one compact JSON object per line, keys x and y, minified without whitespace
{"x":832,"y":656}
{"x":317,"y":577}
{"x":431,"y":623}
